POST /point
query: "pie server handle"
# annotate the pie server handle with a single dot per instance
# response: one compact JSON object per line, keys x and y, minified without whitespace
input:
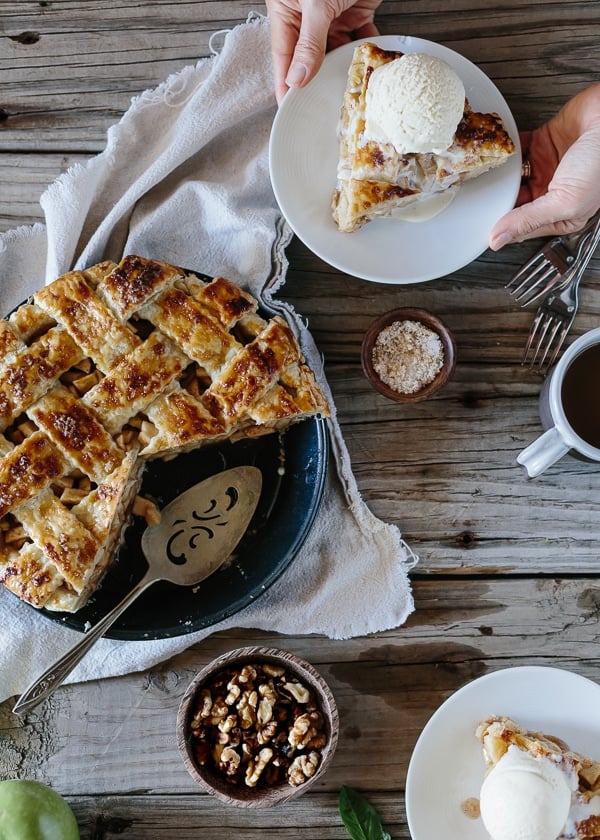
{"x":45,"y":685}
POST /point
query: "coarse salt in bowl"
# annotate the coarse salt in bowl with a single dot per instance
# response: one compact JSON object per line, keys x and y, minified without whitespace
{"x":408,"y":354}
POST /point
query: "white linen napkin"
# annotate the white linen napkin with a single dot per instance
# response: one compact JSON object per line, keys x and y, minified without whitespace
{"x":184,"y":178}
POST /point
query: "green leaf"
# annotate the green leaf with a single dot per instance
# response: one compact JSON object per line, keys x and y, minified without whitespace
{"x":360,"y":818}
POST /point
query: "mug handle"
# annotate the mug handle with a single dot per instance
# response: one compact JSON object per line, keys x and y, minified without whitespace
{"x":543,"y":452}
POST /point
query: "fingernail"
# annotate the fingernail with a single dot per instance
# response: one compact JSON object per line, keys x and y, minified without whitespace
{"x":296,"y":75}
{"x":502,"y":240}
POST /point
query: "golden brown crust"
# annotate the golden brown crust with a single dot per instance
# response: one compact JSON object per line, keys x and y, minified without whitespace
{"x":357,"y":201}
{"x":136,"y":381}
{"x":192,"y":327}
{"x":253,"y":370}
{"x":27,"y":470}
{"x":77,"y":433}
{"x":483,"y":133}
{"x":72,"y":302}
{"x":134,"y":282}
{"x":226,"y":300}
{"x":27,"y":374}
{"x":64,"y":551}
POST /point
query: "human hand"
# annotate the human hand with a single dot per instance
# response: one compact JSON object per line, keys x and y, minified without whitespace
{"x":564,"y":188}
{"x":303,"y":30}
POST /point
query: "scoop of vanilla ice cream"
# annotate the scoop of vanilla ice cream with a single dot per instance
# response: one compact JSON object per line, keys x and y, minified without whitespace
{"x":414,"y":102}
{"x":525,"y":798}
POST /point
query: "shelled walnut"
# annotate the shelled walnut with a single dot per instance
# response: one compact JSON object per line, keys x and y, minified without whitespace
{"x":257,"y":725}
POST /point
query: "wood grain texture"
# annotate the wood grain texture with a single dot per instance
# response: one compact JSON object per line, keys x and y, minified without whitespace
{"x":450,"y":479}
{"x":68,"y":71}
{"x":508,"y":568}
{"x":190,"y":816}
{"x":24,"y":178}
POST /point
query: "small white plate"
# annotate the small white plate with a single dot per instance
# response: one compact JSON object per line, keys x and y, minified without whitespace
{"x":303,"y":156}
{"x":447,"y":766}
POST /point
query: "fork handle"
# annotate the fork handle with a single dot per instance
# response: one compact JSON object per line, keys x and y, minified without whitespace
{"x":592,"y":222}
{"x":588,"y":239}
{"x":573,"y":274}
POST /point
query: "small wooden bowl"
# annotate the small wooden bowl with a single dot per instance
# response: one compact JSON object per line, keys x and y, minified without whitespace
{"x":428,"y":320}
{"x":265,"y":796}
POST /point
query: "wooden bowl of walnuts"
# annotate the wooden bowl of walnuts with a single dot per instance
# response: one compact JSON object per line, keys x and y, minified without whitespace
{"x":257,"y":727}
{"x":408,"y":354}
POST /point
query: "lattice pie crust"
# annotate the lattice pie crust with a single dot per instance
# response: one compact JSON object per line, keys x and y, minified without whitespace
{"x":104,"y":369}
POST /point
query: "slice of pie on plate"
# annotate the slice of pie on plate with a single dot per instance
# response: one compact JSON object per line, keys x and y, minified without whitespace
{"x":105,"y":369}
{"x":375,"y":180}
{"x":501,"y":736}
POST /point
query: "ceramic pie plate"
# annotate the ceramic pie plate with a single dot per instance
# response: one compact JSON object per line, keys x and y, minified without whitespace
{"x":303,"y":156}
{"x":447,"y":766}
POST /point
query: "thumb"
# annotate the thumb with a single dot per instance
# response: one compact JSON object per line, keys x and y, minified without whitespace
{"x":310,"y":48}
{"x":543,"y":217}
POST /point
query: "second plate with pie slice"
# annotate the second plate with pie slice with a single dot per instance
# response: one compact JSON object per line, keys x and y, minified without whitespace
{"x":447,"y":766}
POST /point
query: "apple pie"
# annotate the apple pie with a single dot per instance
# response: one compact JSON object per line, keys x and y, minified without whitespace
{"x":105,"y":369}
{"x":498,"y":734}
{"x":374,"y":179}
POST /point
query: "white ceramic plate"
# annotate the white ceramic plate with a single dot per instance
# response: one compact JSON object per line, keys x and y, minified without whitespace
{"x":447,"y":766}
{"x":303,"y":157}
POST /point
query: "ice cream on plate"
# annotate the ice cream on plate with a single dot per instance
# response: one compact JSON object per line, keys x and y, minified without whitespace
{"x":526,"y":797}
{"x":415,"y":103}
{"x":535,"y":787}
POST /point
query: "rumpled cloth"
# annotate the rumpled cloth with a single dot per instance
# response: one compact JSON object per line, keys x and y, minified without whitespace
{"x":184,"y":178}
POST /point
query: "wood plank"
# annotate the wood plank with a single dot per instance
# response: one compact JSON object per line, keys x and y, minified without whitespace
{"x":461,"y":501}
{"x":65,"y":77}
{"x":449,"y":480}
{"x":488,"y":325}
{"x":314,"y":816}
{"x":24,"y":178}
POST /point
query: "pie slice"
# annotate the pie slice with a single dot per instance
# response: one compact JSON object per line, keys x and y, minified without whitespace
{"x":499,"y":734}
{"x":374,"y":180}
{"x":106,"y":369}
{"x":56,"y":554}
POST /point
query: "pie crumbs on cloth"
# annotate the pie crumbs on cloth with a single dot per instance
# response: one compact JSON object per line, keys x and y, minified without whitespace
{"x":176,"y":184}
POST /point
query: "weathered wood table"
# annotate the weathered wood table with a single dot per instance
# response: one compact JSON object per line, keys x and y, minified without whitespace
{"x":509,"y":568}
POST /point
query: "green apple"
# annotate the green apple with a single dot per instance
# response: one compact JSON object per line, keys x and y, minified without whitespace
{"x":32,"y":811}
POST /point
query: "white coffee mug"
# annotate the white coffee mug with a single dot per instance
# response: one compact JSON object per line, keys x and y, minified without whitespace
{"x":560,"y":412}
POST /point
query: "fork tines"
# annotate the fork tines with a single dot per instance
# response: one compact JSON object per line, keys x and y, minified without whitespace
{"x":541,"y":273}
{"x":545,"y":341}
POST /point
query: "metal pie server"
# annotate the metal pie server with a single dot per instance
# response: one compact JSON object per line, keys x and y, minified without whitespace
{"x":197,"y":532}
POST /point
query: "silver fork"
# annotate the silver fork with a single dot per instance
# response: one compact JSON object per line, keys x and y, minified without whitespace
{"x":553,"y":263}
{"x":552,"y":323}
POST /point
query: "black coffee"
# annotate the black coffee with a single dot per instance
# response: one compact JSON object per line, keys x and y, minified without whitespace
{"x":581,"y":395}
